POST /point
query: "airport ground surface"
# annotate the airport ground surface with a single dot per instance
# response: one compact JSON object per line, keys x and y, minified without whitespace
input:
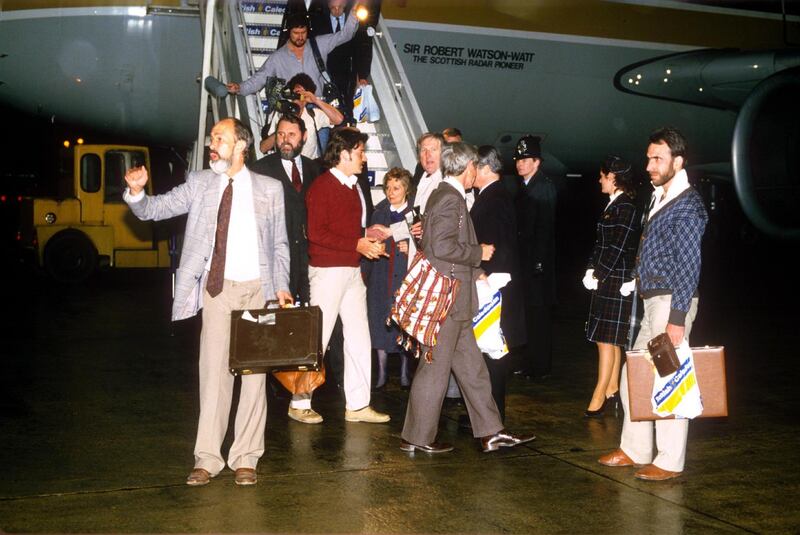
{"x":98,"y":412}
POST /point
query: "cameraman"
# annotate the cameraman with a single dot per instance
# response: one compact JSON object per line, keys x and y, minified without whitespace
{"x":312,"y":110}
{"x":296,"y":55}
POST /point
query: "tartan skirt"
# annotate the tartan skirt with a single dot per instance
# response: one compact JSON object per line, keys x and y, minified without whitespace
{"x":609,"y":313}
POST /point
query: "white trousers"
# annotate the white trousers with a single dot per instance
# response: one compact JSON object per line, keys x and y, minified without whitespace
{"x":340,"y":291}
{"x":637,"y":437}
{"x":216,"y":385}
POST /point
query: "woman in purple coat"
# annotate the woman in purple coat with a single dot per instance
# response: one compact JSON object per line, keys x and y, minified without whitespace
{"x":384,"y":275}
{"x":609,"y":267}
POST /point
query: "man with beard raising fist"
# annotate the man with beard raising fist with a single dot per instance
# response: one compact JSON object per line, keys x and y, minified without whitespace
{"x":296,"y":172}
{"x":235,"y":256}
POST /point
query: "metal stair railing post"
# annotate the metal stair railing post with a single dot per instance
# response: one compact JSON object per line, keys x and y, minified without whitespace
{"x":208,"y":38}
{"x":239,"y":60}
{"x":400,"y":109}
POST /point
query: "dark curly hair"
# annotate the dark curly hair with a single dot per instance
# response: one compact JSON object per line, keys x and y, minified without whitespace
{"x":342,"y":139}
{"x":623,"y":174}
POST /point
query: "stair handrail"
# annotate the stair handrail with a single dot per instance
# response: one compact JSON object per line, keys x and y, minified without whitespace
{"x":240,"y":63}
{"x":400,"y":108}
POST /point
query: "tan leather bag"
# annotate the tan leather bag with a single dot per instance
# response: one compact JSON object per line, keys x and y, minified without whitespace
{"x":301,"y":382}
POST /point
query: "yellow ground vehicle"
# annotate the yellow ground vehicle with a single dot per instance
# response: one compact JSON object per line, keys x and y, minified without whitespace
{"x":90,"y":224}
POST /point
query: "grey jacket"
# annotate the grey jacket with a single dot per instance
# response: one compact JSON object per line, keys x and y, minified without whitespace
{"x":450,"y":244}
{"x":283,"y":63}
{"x":199,"y":197}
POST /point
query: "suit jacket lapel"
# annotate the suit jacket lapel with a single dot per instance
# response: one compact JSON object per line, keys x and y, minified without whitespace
{"x":211,"y":203}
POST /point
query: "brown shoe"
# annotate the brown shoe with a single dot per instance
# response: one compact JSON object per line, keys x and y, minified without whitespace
{"x":198,"y":477}
{"x":433,"y":447}
{"x":652,"y":472}
{"x":503,"y":439}
{"x":245,"y":476}
{"x":616,"y":458}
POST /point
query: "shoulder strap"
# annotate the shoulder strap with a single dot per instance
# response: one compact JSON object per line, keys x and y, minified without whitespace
{"x":318,"y":58}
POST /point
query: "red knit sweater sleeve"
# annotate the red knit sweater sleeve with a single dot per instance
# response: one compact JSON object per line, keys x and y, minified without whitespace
{"x":329,"y":225}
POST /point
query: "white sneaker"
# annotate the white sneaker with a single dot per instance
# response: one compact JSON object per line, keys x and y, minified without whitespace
{"x":366,"y":415}
{"x":306,"y":416}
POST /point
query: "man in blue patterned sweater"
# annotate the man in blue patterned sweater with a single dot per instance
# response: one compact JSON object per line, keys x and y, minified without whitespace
{"x":666,"y":275}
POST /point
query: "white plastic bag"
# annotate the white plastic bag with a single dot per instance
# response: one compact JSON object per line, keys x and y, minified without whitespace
{"x":365,"y":107}
{"x":486,"y":323}
{"x":678,"y":392}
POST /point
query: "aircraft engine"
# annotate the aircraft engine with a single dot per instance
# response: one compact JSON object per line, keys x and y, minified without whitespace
{"x":766,"y":155}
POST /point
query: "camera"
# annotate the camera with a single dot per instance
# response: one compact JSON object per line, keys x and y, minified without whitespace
{"x":280,"y":98}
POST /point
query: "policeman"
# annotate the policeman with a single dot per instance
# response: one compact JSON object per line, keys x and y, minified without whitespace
{"x":535,"y":204}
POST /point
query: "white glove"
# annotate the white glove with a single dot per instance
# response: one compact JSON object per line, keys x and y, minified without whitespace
{"x":627,"y":288}
{"x":589,"y":282}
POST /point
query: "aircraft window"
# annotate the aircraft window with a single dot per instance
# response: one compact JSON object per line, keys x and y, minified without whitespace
{"x":90,"y":173}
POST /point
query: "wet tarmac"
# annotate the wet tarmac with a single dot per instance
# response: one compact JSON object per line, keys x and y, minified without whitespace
{"x":98,"y":413}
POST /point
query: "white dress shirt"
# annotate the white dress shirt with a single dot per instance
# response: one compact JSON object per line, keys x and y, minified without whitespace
{"x":426,"y":185}
{"x":351,"y":181}
{"x":241,"y":256}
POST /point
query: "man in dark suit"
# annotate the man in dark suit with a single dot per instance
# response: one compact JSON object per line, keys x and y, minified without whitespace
{"x":295,"y":172}
{"x":536,"y":209}
{"x":495,"y":223}
{"x":450,"y":244}
{"x":291,"y":136}
{"x":348,"y":64}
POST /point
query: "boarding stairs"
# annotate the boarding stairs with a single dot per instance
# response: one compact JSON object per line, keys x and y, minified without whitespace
{"x":245,"y":33}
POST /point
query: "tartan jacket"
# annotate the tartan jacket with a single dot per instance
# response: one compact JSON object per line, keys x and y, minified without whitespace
{"x":668,"y":261}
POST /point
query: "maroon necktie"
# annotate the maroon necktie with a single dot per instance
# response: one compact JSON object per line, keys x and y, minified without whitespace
{"x":298,"y":185}
{"x":217,"y":272}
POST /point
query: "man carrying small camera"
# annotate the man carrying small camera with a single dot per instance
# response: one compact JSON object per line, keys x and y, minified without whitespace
{"x":296,"y":56}
{"x":312,"y":110}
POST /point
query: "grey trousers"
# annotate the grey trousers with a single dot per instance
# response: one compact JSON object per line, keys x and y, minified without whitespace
{"x":455,"y":350}
{"x":637,"y":437}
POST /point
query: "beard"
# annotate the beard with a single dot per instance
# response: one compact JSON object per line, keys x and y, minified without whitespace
{"x":289,"y":152}
{"x":660,"y":179}
{"x":220,"y":165}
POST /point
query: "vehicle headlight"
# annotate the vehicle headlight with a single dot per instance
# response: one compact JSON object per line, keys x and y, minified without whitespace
{"x":50,"y":218}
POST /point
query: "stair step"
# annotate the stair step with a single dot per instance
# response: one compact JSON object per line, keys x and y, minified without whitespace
{"x":263,"y":44}
{"x":267,"y":19}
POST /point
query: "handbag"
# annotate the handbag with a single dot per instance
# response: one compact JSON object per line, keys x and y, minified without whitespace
{"x":665,"y":359}
{"x":270,"y":339}
{"x":423,"y":300}
{"x":299,"y":382}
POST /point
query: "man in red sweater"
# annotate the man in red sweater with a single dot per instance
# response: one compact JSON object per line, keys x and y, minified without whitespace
{"x":336,"y":242}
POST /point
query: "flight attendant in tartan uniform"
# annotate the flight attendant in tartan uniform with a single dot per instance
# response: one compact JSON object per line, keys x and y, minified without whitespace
{"x":610,"y":265}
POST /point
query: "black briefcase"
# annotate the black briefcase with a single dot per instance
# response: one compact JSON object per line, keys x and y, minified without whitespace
{"x":272,"y":339}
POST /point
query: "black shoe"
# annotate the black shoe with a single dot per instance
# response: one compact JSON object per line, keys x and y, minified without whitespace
{"x":433,"y":447}
{"x":598,"y":413}
{"x":503,"y":439}
{"x":381,"y":388}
